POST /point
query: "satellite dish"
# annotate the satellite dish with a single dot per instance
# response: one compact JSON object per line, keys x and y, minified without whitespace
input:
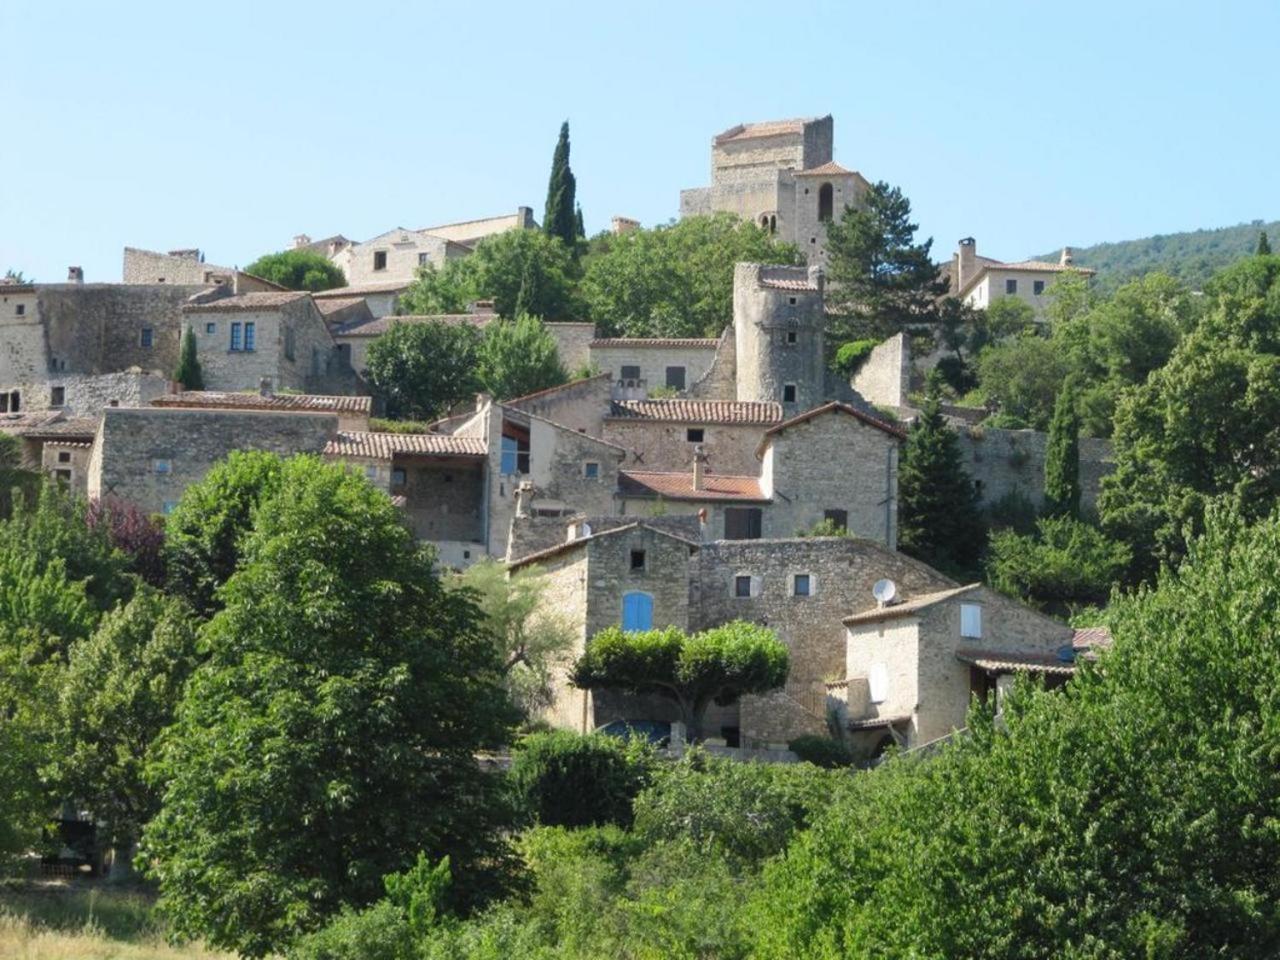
{"x":878,"y":683}
{"x":884,"y":591}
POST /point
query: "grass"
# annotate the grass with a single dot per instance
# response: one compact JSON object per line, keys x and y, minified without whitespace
{"x":77,"y":920}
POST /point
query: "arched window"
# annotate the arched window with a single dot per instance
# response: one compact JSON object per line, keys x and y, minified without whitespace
{"x":637,"y":611}
{"x":764,"y":221}
{"x":773,"y":224}
{"x":825,"y":201}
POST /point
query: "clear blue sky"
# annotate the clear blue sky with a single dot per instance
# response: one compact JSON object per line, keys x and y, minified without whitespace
{"x":234,"y":126}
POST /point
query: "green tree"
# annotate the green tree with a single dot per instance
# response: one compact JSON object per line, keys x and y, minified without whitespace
{"x":518,"y":357}
{"x":560,"y":219}
{"x":1264,"y":245}
{"x":574,"y":780}
{"x":529,"y":638}
{"x":1064,"y":565}
{"x":330,"y":735}
{"x":205,"y":533}
{"x":579,"y":228}
{"x":691,"y":670}
{"x":881,"y":280}
{"x":1062,"y":458}
{"x":121,"y":688}
{"x":938,"y":517}
{"x":298,"y":270}
{"x":420,"y":370}
{"x":1022,"y":378}
{"x":188,"y":373}
{"x":674,"y":280}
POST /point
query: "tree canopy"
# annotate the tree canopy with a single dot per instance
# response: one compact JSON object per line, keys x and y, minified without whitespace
{"x":420,"y":370}
{"x":188,"y":372}
{"x":298,"y":270}
{"x":562,"y":216}
{"x":518,"y":357}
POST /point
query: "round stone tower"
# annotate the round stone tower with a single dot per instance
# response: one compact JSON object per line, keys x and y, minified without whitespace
{"x":778,"y":332}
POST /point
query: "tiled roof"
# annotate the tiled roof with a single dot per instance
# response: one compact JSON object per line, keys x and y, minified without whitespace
{"x":380,"y":325}
{"x":539,"y":394}
{"x":383,"y":446}
{"x":310,"y":402}
{"x":1041,"y":266}
{"x":747,"y":412}
{"x":21,"y":422}
{"x":362,"y":289}
{"x":1091,"y":638}
{"x":768,"y":128}
{"x":334,"y":304}
{"x":834,"y":407}
{"x":248,"y":301}
{"x":679,"y":486}
{"x":612,"y":531}
{"x":999,"y":661}
{"x":780,"y":284}
{"x":706,"y":343}
{"x":828,"y":169}
{"x":58,"y":430}
{"x":907,"y":607}
{"x":873,"y":723}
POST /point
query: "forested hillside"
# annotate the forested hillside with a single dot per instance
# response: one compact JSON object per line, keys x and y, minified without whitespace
{"x":1192,"y":256}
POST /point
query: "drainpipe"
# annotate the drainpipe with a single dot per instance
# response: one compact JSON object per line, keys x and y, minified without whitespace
{"x":888,"y":497}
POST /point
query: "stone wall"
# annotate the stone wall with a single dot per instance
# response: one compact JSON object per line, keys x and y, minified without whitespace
{"x":24,"y":358}
{"x":1004,"y":461}
{"x":885,"y":376}
{"x":67,"y":462}
{"x":573,"y":344}
{"x":805,"y":228}
{"x":150,"y":455}
{"x":444,"y":501}
{"x":653,"y":361}
{"x":557,"y":460}
{"x":152,"y":267}
{"x":404,"y":250}
{"x":87,"y":396}
{"x":720,"y":382}
{"x":778,"y":322}
{"x":580,"y":405}
{"x":664,"y":445}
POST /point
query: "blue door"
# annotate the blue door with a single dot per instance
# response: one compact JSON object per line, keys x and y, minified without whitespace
{"x":637,"y":611}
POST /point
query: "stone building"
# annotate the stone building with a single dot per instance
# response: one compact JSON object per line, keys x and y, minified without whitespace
{"x":639,"y":365}
{"x":187,"y":268}
{"x":382,"y":297}
{"x":981,"y":281}
{"x":780,"y":175}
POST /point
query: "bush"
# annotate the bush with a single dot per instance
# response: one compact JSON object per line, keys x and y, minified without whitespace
{"x":825,"y":528}
{"x":852,"y":355}
{"x":1065,"y":563}
{"x":572,"y":780}
{"x":380,"y":932}
{"x":1013,"y":511}
{"x":821,"y":751}
{"x":957,"y":374}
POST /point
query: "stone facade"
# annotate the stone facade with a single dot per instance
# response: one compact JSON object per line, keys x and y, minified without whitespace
{"x":580,"y":405}
{"x":573,"y":344}
{"x":980,"y":281}
{"x":67,"y":462}
{"x":884,"y":378}
{"x":778,"y":321}
{"x":665,"y":445}
{"x":396,"y":255}
{"x":640,"y":366}
{"x":1005,"y":462}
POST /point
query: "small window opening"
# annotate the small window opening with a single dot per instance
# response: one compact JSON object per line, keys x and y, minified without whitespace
{"x":20,"y":309}
{"x":210,"y":328}
{"x":800,"y":585}
{"x":742,"y":586}
{"x":826,"y":201}
{"x":63,"y":476}
{"x":675,"y":378}
{"x":637,"y":559}
{"x":792,"y":336}
{"x":64,"y":456}
{"x":147,"y":337}
{"x":591,"y":470}
{"x":788,"y":393}
{"x":380,"y":260}
{"x":695,"y":434}
{"x":630,"y":371}
{"x":1011,"y":286}
{"x":398,"y":477}
{"x":57,"y":396}
{"x":1038,"y":287}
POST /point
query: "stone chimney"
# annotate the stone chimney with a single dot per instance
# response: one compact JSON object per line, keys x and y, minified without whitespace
{"x":699,"y":466}
{"x":524,"y":497}
{"x":75,"y":274}
{"x":817,"y":278}
{"x":300,"y":241}
{"x":966,"y":262}
{"x":1066,"y":259}
{"x":264,"y":388}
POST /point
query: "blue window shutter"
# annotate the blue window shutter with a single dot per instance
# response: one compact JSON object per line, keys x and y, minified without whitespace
{"x":637,"y":611}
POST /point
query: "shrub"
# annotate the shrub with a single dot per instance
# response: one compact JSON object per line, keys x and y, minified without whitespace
{"x":380,"y":932}
{"x":1066,"y":562}
{"x":825,"y":528}
{"x":852,"y":355}
{"x":1013,"y":511}
{"x":572,"y":780}
{"x":821,"y":751}
{"x":957,"y":374}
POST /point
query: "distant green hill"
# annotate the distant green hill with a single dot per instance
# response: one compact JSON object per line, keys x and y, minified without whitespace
{"x":1193,"y":256}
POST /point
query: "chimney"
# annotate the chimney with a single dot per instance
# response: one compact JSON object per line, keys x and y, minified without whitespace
{"x":75,"y":274}
{"x":1067,"y":259}
{"x":966,"y":262}
{"x":817,"y":277}
{"x":264,"y":387}
{"x":699,"y":466}
{"x":524,"y":497}
{"x":300,"y":241}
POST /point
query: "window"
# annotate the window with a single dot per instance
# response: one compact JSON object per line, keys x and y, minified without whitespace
{"x":637,"y":611}
{"x":423,"y":258}
{"x":57,"y":396}
{"x":801,"y":585}
{"x":288,"y":343}
{"x":695,"y":434}
{"x":837,"y":518}
{"x":630,"y":372}
{"x":371,"y":471}
{"x":380,"y":260}
{"x":792,"y":336}
{"x":742,"y":586}
{"x":398,"y":477}
{"x":15,"y":402}
{"x":1011,"y":285}
{"x":62,"y":476}
{"x":515,"y":450}
{"x":675,"y":378}
{"x":791,"y":300}
{"x":64,"y":456}
{"x":210,"y":328}
{"x":20,"y":309}
{"x":826,"y":200}
{"x":248,"y":337}
{"x":146,"y":337}
{"x":971,"y":621}
{"x":235,"y":336}
{"x":162,"y":467}
{"x":742,"y":523}
{"x":788,"y":393}
{"x":1038,"y":287}
{"x":637,"y":559}
{"x":591,"y":470}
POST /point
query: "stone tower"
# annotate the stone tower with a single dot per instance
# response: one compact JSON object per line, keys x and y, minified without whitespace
{"x":778,"y":324}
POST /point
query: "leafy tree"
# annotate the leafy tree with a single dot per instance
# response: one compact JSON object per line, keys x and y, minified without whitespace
{"x":579,"y":228}
{"x":298,"y":270}
{"x":881,"y":280}
{"x":1062,"y":458}
{"x":1022,"y":378}
{"x":330,"y":735}
{"x":938,"y":517}
{"x":575,"y":780}
{"x":518,"y":357}
{"x":1264,"y":245}
{"x":137,"y":535}
{"x":205,"y":533}
{"x":188,"y":373}
{"x":17,"y":484}
{"x":560,"y":219}
{"x":15,"y":276}
{"x":691,"y":670}
{"x":1064,"y":565}
{"x":121,"y":689}
{"x":674,"y":280}
{"x":420,"y":370}
{"x":529,"y":639}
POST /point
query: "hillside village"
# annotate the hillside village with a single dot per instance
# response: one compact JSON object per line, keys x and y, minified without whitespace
{"x":671,"y":488}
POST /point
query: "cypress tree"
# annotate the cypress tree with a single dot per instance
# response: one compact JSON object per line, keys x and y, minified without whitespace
{"x":1062,"y":458}
{"x":188,"y":373}
{"x":559,"y":220}
{"x":1264,"y":245}
{"x":938,"y":517}
{"x":582,"y":230}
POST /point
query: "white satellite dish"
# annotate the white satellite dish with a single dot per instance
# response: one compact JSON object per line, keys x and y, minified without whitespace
{"x":884,"y":591}
{"x":878,"y":683}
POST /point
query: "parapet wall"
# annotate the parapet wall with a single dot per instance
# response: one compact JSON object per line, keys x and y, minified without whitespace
{"x":1003,"y":462}
{"x":885,"y":376}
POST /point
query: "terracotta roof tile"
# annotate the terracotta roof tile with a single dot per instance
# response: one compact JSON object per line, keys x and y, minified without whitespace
{"x":828,"y":169}
{"x":377,"y":327}
{"x":706,"y":343}
{"x":833,"y":407}
{"x":1042,"y":266}
{"x":384,"y":446}
{"x":1092,"y":639}
{"x":248,"y":301}
{"x":747,"y":412}
{"x":781,"y":284}
{"x":58,"y":430}
{"x":1000,"y":661}
{"x":679,"y":486}
{"x":907,"y":607}
{"x":363,"y":289}
{"x":310,"y":402}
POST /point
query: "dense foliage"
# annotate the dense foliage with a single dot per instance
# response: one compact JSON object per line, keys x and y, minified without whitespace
{"x":561,"y":217}
{"x":1064,"y":564}
{"x":518,"y":357}
{"x":420,"y":370}
{"x":188,"y":371}
{"x":298,"y":270}
{"x":563,"y":779}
